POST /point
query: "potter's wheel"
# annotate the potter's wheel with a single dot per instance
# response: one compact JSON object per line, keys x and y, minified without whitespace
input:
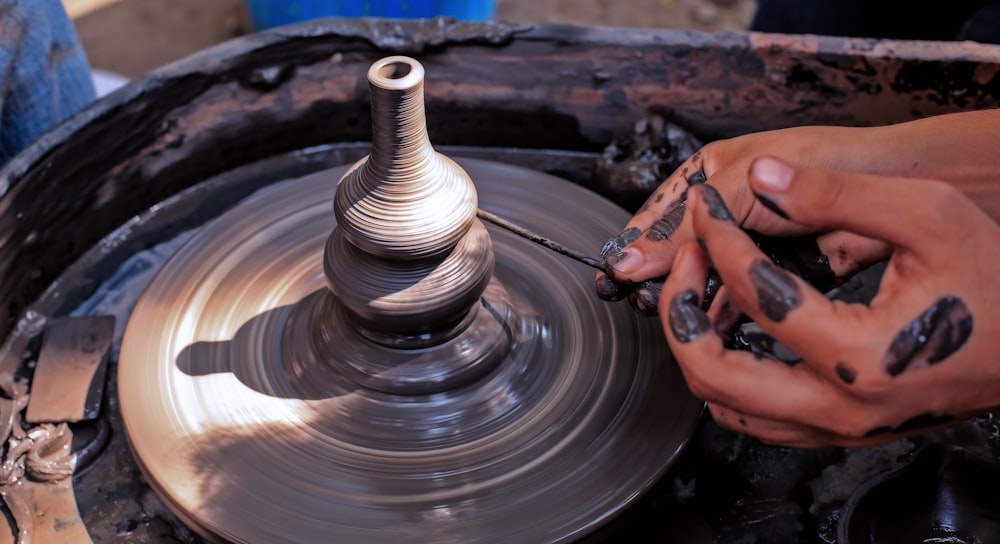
{"x":268,"y":444}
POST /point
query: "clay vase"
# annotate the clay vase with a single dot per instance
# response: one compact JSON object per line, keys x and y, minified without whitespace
{"x":408,"y":257}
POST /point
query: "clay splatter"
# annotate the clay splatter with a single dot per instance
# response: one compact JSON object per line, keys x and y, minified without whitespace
{"x":777,"y":291}
{"x":930,"y":338}
{"x":687,"y":320}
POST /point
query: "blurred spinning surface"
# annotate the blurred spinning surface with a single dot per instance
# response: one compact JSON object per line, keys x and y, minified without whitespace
{"x":250,"y":435}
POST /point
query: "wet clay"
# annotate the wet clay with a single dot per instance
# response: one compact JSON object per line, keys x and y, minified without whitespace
{"x":36,"y":472}
{"x":777,"y":292}
{"x":633,"y":166}
{"x":687,"y":320}
{"x":931,"y":338}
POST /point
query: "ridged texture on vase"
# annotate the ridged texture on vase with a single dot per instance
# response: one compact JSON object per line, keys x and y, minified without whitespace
{"x":413,"y":296}
{"x":405,"y":200}
{"x":408,"y":255}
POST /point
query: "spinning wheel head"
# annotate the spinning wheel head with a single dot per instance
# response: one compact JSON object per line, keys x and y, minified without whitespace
{"x":497,"y":401}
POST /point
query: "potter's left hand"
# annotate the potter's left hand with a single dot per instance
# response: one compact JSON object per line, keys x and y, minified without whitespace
{"x":921,"y":355}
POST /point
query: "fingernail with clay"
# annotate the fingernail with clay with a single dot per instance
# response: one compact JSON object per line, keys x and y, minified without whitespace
{"x":648,"y":297}
{"x":772,"y":175}
{"x":626,"y":261}
{"x":608,"y":289}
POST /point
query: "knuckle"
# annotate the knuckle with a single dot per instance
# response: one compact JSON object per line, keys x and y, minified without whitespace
{"x":944,"y":204}
{"x":946,"y":197}
{"x":833,"y":193}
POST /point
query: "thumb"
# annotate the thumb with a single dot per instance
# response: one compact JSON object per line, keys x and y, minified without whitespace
{"x":902,"y":211}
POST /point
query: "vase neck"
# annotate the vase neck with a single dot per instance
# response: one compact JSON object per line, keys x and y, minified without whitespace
{"x":400,"y":144}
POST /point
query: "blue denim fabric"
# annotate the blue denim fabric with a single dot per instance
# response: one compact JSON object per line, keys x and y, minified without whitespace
{"x":44,"y":76}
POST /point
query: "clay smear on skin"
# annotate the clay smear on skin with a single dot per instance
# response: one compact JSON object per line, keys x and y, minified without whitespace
{"x":664,"y":228}
{"x":615,"y":245}
{"x":930,"y":338}
{"x":716,"y":206}
{"x":687,"y":320}
{"x":777,"y":291}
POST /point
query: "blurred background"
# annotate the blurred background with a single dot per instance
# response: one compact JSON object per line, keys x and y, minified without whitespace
{"x":133,"y":37}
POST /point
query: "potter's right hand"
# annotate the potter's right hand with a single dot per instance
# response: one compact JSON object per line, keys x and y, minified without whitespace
{"x":920,"y":354}
{"x":637,"y":260}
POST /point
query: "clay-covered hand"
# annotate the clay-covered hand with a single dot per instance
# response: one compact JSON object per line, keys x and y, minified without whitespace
{"x":637,"y":260}
{"x":920,"y":355}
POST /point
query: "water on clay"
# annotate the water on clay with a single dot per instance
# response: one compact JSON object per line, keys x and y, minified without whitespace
{"x":116,"y":503}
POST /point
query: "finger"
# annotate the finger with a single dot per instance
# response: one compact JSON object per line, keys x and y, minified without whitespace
{"x":825,"y":199}
{"x":848,"y":253}
{"x":788,"y":434}
{"x":824,"y":261}
{"x":668,"y":196}
{"x":646,"y":297}
{"x":658,"y":220}
{"x":782,"y":304}
{"x":609,"y":289}
{"x":605,"y":285}
{"x":774,"y":432}
{"x":769,"y":431}
{"x":760,"y":387}
{"x":726,"y":317}
{"x":651,"y":254}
